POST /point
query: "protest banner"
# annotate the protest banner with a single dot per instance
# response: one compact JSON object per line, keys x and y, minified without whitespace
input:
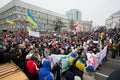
{"x":34,"y":34}
{"x":97,"y":59}
{"x":64,"y":59}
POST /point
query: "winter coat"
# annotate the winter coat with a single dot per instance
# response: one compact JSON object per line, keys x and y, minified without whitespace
{"x":44,"y":73}
{"x":32,"y":67}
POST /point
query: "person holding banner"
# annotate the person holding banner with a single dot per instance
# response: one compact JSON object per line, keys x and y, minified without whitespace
{"x":73,"y":56}
{"x":80,"y":65}
{"x":90,"y":53}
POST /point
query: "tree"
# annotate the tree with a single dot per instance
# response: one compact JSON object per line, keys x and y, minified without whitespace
{"x":58,"y":25}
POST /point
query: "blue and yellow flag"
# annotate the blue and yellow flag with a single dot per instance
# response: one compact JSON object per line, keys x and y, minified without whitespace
{"x":72,"y":57}
{"x":34,"y":27}
{"x":8,"y":20}
{"x":31,"y":19}
{"x":80,"y":65}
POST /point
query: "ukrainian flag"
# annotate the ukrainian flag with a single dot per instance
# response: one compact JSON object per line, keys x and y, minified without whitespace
{"x":31,"y":19}
{"x":34,"y":27}
{"x":9,"y":21}
{"x":72,"y":58}
{"x":80,"y":65}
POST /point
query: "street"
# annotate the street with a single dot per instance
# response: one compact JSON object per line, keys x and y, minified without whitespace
{"x":107,"y":68}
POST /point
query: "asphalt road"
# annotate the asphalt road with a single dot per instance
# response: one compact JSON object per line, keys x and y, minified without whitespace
{"x":107,"y":68}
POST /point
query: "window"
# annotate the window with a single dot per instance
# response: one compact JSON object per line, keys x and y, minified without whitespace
{"x":18,"y":8}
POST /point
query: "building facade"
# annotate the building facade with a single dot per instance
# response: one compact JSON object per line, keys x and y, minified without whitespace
{"x":17,"y":11}
{"x":74,"y":14}
{"x":113,"y":21}
{"x":85,"y":26}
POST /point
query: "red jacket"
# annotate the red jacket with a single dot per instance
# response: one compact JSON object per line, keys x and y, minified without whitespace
{"x":32,"y":67}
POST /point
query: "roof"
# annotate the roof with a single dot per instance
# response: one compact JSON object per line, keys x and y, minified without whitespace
{"x":116,"y":13}
{"x":29,"y":6}
{"x":11,"y":71}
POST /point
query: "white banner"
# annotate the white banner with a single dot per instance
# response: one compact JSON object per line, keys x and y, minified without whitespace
{"x":97,"y":59}
{"x":33,"y":33}
{"x":64,"y":59}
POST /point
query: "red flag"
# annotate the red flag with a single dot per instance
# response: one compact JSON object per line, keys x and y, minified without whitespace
{"x":22,"y":32}
{"x":75,"y":27}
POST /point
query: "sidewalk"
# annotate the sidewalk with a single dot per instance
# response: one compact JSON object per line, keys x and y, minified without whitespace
{"x":117,"y":57}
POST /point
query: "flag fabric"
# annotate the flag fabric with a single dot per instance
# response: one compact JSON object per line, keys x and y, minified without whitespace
{"x":75,"y":27}
{"x":34,"y":27}
{"x":80,"y":65}
{"x":22,"y":32}
{"x":8,"y":20}
{"x":31,"y":19}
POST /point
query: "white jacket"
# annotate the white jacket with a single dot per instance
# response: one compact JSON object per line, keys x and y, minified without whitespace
{"x":90,"y":55}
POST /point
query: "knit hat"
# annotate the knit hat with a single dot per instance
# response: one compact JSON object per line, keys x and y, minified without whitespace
{"x":90,"y":68}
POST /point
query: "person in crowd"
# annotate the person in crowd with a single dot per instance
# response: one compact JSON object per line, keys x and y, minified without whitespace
{"x":89,"y":73}
{"x":80,"y":65}
{"x":119,"y":47}
{"x":3,"y":50}
{"x":73,"y":56}
{"x":32,"y":68}
{"x":29,"y":55}
{"x":114,"y":50}
{"x":90,"y":53}
{"x":45,"y":71}
{"x":46,"y":52}
{"x":69,"y":50}
{"x":68,"y":76}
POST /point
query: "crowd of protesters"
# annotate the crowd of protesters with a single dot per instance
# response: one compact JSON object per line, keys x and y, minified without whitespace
{"x":31,"y":54}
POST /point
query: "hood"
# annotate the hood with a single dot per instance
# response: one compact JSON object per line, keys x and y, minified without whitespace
{"x":44,"y":72}
{"x":73,"y":55}
{"x":46,"y":64}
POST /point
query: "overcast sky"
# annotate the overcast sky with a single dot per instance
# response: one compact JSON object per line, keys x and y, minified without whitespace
{"x":96,"y":10}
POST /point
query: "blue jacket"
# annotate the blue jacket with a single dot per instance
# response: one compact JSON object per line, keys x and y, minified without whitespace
{"x":44,"y":72}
